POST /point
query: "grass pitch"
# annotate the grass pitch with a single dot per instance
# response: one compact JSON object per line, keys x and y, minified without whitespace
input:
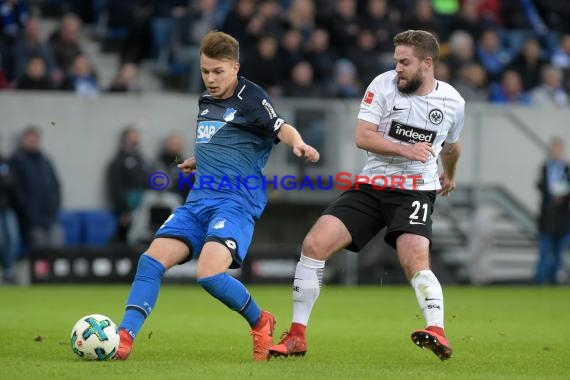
{"x":355,"y":333}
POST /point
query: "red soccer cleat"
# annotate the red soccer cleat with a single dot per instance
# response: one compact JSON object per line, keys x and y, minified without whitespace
{"x":125,"y":345}
{"x":293,"y":343}
{"x":434,"y":341}
{"x":262,"y":334}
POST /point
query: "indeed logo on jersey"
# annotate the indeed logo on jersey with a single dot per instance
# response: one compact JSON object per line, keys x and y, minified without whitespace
{"x":207,"y":129}
{"x":410,"y":134}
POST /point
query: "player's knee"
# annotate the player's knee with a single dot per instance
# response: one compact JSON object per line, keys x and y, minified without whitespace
{"x":314,"y":248}
{"x":168,"y":252}
{"x":204,"y":270}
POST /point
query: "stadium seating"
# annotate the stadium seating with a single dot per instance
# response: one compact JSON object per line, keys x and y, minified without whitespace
{"x":98,"y":227}
{"x":71,"y":224}
{"x":90,"y":228}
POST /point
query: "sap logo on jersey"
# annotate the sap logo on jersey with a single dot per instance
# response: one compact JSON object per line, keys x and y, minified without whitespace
{"x":410,"y":134}
{"x":207,"y":129}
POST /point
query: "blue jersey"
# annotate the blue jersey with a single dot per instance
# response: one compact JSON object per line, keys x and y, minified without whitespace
{"x":234,"y":138}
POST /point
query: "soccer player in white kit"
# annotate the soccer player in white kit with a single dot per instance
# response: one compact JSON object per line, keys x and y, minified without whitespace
{"x":407,"y":119}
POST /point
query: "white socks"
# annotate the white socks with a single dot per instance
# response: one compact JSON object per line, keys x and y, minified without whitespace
{"x":309,"y":277}
{"x":430,"y":297}
{"x":306,"y":287}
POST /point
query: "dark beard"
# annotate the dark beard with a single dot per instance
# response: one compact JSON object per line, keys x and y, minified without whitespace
{"x":412,"y":86}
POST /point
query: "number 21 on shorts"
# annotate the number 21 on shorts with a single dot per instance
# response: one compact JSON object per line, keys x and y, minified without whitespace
{"x":419,"y":209}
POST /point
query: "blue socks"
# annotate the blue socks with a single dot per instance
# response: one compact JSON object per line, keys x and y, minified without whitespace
{"x":143,"y":295}
{"x":145,"y":287}
{"x":233,"y":294}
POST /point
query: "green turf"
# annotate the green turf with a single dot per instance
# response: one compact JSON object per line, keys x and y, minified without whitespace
{"x":355,"y":333}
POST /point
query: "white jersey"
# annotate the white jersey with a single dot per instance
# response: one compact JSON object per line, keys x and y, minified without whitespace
{"x":407,"y":119}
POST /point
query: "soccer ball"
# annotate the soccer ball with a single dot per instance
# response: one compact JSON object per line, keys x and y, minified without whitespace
{"x":95,"y":337}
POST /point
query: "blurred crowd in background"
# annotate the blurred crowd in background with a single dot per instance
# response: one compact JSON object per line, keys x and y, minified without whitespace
{"x":515,"y":51}
{"x":31,"y":207}
{"x":510,"y":52}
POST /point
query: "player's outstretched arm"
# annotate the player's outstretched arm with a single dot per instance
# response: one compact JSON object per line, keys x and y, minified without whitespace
{"x":367,"y":138}
{"x":188,"y":165}
{"x":450,"y":154}
{"x":290,"y":136}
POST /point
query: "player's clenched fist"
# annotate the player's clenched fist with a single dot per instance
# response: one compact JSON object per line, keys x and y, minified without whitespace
{"x":421,"y":151}
{"x":308,"y":152}
{"x":188,"y":165}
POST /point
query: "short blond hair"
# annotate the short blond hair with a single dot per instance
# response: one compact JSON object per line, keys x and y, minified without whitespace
{"x":220,"y":45}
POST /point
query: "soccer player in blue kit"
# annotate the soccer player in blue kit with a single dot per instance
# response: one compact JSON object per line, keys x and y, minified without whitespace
{"x":237,"y":127}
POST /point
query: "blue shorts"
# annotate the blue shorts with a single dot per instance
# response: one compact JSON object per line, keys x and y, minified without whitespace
{"x":222,"y":220}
